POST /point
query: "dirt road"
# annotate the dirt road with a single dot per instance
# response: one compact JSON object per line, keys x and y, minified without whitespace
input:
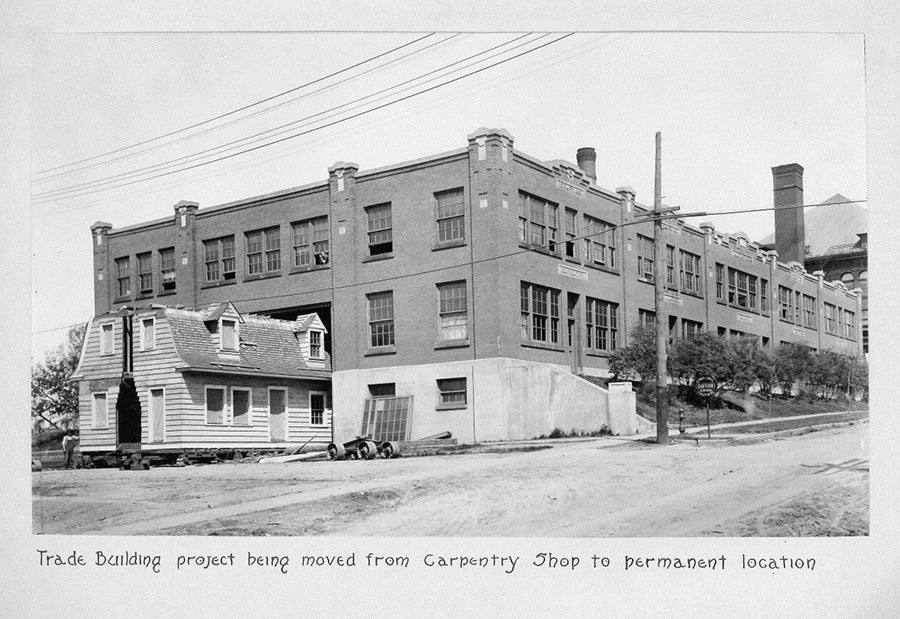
{"x":815,"y":484}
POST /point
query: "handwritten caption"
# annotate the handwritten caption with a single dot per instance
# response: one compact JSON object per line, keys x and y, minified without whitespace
{"x":506,"y":564}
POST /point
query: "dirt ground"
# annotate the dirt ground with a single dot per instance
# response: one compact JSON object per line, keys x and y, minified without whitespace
{"x":810,"y":485}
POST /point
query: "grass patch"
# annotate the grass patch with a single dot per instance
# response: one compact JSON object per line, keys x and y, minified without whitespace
{"x":575,"y":433}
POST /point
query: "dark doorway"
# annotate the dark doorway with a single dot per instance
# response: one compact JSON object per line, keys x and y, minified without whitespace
{"x":128,"y":412}
{"x":324,"y":312}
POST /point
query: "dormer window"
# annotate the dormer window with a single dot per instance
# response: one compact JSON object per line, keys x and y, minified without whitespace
{"x":148,"y":334}
{"x":228,"y":331}
{"x":106,"y":339}
{"x":315,"y":345}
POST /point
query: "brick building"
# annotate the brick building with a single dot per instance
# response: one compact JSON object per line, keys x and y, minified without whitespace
{"x":464,"y":280}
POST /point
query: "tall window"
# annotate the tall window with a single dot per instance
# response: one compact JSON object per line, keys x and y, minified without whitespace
{"x":600,"y":245}
{"x":381,"y":234}
{"x":450,"y":216}
{"x":647,"y":318}
{"x":764,"y":296}
{"x":690,"y":272}
{"x":148,"y":334}
{"x":540,"y":314}
{"x":240,"y":406}
{"x":452,"y":311}
{"x":123,"y":277}
{"x":752,"y":281}
{"x":743,"y":289}
{"x":538,"y":221}
{"x":167,"y":267}
{"x":690,"y":329}
{"x":645,"y":258}
{"x":571,"y":232}
{"x":315,"y":344}
{"x":264,"y":251}
{"x":720,"y":282}
{"x":99,"y":411}
{"x":381,"y":319}
{"x":229,"y":334}
{"x":310,"y":242}
{"x":809,"y":311}
{"x":451,"y":392}
{"x":849,"y":324}
{"x":219,"y":259}
{"x":145,"y":272}
{"x":602,"y":325}
{"x":670,"y":265}
{"x":215,"y":405}
{"x":316,"y":408}
{"x":786,"y":303}
{"x":106,"y":338}
{"x":831,"y":318}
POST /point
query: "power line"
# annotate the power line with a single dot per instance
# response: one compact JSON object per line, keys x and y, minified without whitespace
{"x":240,"y":109}
{"x":53,"y":195}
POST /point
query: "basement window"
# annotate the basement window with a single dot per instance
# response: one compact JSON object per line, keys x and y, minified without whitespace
{"x":451,"y":393}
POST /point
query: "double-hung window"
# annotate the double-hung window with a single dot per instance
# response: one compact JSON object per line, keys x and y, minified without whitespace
{"x":571,"y":232}
{"x":830,"y":318}
{"x":752,"y":282}
{"x":145,"y":273}
{"x":167,"y":267}
{"x":670,"y":265}
{"x":690,"y":272}
{"x":599,"y":243}
{"x":310,"y":242}
{"x":720,"y":282}
{"x":743,"y":289}
{"x":645,"y":258}
{"x":381,"y":319}
{"x":540,"y":314}
{"x":123,"y":277}
{"x":452,"y":311}
{"x":690,"y":329}
{"x":315,"y":344}
{"x":264,"y":251}
{"x":316,"y":408}
{"x":538,"y":222}
{"x":219,"y":259}
{"x":450,"y":214}
{"x":786,"y":304}
{"x":809,"y":311}
{"x":601,"y":318}
{"x":381,"y":234}
{"x":764,"y":296}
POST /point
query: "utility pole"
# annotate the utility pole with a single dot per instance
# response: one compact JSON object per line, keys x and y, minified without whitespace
{"x":662,"y":316}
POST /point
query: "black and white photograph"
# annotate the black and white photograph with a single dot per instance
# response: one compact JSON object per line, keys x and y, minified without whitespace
{"x":513,"y":303}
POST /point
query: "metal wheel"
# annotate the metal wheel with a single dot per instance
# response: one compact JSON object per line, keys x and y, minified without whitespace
{"x":367,"y":450}
{"x":336,"y":451}
{"x":390,"y":449}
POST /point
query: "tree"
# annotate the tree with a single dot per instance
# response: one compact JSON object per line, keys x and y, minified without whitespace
{"x":54,"y":399}
{"x":859,"y":376}
{"x":791,"y":365}
{"x":828,"y":374}
{"x":637,"y":361}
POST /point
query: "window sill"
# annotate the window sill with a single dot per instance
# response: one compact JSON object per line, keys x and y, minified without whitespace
{"x":253,"y":278}
{"x":122,"y":299}
{"x":451,"y":407}
{"x":381,"y":350}
{"x":317,"y":267}
{"x":696,"y":295}
{"x":451,"y":344}
{"x":540,"y":249}
{"x":448,"y":244}
{"x":377,"y":257}
{"x":543,"y":346}
{"x":166,"y":293}
{"x":144,"y":295}
{"x":572,"y":259}
{"x":216,"y":284}
{"x":600,"y":267}
{"x":599,"y":353}
{"x":644,"y":280}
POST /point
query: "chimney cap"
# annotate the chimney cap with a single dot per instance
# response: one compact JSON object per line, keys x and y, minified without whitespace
{"x":788,"y":167}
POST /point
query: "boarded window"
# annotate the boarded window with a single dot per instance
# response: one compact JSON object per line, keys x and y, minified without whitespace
{"x":387,"y":419}
{"x":106,"y":339}
{"x":229,"y":335}
{"x":148,"y":334}
{"x":240,"y":407}
{"x":100,"y":411}
{"x":215,"y":405}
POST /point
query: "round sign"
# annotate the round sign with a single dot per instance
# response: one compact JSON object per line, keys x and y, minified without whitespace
{"x":705,"y":386}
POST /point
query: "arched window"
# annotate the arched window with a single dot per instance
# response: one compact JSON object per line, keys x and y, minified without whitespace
{"x":863,"y":277}
{"x":847,"y":278}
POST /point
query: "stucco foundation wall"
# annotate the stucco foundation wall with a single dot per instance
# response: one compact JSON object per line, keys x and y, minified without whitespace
{"x":506,"y":399}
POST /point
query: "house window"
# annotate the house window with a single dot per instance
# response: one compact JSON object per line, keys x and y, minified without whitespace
{"x":229,"y":333}
{"x":670,"y":265}
{"x":571,"y":232}
{"x":316,"y":408}
{"x":849,"y":324}
{"x":315,"y":344}
{"x":786,"y":305}
{"x":809,"y":311}
{"x":831,"y":318}
{"x":381,"y":235}
{"x":240,"y":406}
{"x":99,"y":411}
{"x":264,"y":251}
{"x":764,"y":296}
{"x":215,"y":405}
{"x":540,"y":314}
{"x":752,"y":282}
{"x":720,"y":282}
{"x":600,"y":245}
{"x":743,"y":289}
{"x":148,"y":334}
{"x":645,"y":258}
{"x":123,"y":277}
{"x":381,"y":319}
{"x":452,"y":311}
{"x":451,"y":393}
{"x":167,"y":267}
{"x":646,"y":318}
{"x":690,"y":272}
{"x":602,"y":325}
{"x":690,"y":329}
{"x":538,"y":222}
{"x":145,"y":273}
{"x":106,"y":339}
{"x":219,"y":259}
{"x":450,"y":216}
{"x":310,"y":242}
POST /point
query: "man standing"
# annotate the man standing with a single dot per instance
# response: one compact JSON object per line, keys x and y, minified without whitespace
{"x":68,"y":445}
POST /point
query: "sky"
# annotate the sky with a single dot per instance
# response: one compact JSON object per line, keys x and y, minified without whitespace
{"x":729,"y":106}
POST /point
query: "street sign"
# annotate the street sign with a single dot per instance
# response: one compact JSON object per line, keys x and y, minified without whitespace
{"x":705,"y":385}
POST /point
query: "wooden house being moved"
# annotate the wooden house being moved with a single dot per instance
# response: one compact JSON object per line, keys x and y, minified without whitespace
{"x":207,"y":380}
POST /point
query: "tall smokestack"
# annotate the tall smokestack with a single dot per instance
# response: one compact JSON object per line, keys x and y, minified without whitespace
{"x":790,"y":231}
{"x":587,"y":161}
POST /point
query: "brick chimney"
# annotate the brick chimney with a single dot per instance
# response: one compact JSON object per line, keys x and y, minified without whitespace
{"x":587,"y":160}
{"x":790,"y":230}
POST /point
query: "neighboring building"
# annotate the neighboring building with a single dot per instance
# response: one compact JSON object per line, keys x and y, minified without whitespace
{"x":207,"y":380}
{"x":832,"y":238}
{"x":463,"y":280}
